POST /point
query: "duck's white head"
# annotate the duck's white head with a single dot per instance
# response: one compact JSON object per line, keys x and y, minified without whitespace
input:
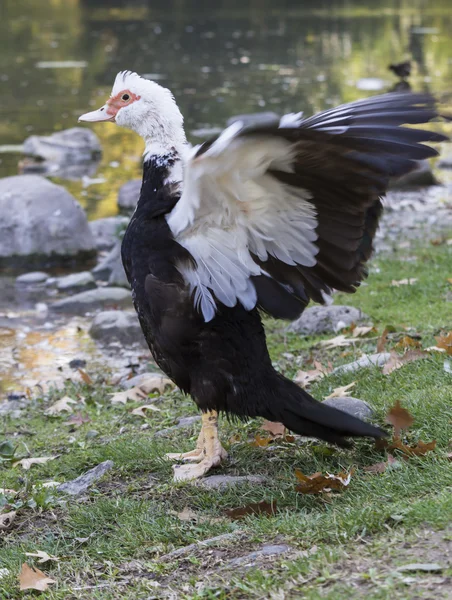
{"x":145,"y":107}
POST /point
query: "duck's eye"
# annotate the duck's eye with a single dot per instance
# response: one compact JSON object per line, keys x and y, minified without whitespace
{"x":125,"y":97}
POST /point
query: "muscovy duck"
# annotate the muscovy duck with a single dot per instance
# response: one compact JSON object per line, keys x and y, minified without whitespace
{"x":261,"y":219}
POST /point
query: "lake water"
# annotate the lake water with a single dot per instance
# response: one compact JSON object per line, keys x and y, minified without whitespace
{"x":58,"y":59}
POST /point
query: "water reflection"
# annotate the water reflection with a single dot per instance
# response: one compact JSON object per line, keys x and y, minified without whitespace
{"x":219,"y":59}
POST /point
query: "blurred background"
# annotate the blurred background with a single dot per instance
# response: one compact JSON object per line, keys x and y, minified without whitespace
{"x":59,"y":58}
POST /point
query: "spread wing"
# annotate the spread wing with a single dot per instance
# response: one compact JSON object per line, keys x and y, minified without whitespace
{"x":276,"y":215}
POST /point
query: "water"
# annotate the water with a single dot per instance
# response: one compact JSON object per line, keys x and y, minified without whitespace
{"x":58,"y":59}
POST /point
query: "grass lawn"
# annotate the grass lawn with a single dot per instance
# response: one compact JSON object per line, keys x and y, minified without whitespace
{"x":115,"y":541}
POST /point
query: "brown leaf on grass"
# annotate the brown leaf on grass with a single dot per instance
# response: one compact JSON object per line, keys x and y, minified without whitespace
{"x":304,"y":378}
{"x":261,"y":441}
{"x":399,"y":418}
{"x":408,"y":342}
{"x":397,"y":361}
{"x":187,"y":514}
{"x":60,"y":406}
{"x":8,"y":492}
{"x":339,"y":392}
{"x":382,"y":340}
{"x":381,"y":466}
{"x":445,"y":342}
{"x":33,"y":579}
{"x":27,"y":463}
{"x":135,"y":394}
{"x":449,"y":280}
{"x":141,"y":410}
{"x":43,"y":556}
{"x":420,"y":449}
{"x":395,"y":283}
{"x":156,"y":382}
{"x":258,"y":508}
{"x":363,"y":330}
{"x":338,"y":342}
{"x":314,"y":484}
{"x":86,"y":378}
{"x":275,"y":429}
{"x":449,"y":456}
{"x":6,"y":520}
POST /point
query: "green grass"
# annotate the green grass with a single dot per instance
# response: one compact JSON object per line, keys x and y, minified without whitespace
{"x":110,"y":541}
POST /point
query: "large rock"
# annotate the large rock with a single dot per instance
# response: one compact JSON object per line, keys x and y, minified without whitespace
{"x":110,"y":268}
{"x":106,"y":231}
{"x":98,"y":299}
{"x":326,"y":319}
{"x":352,"y":406}
{"x":117,"y":326}
{"x":422,"y":176}
{"x":72,"y":153}
{"x":128,"y":195}
{"x":41,"y":224}
{"x":76,"y":282}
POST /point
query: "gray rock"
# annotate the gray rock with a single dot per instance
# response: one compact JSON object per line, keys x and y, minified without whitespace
{"x":221,"y":482}
{"x":41,"y":224}
{"x":76,"y":282}
{"x":105,"y":231}
{"x":137,"y":380}
{"x":372,"y":360}
{"x":250,"y":559}
{"x":78,"y":144}
{"x":117,"y":326}
{"x":325,"y":319}
{"x":33,"y":278}
{"x":181,"y":424}
{"x":81,"y":484}
{"x":422,"y":176}
{"x":128,"y":195}
{"x":353,"y":406}
{"x":445,"y":160}
{"x":110,"y":268}
{"x":13,"y":408}
{"x":259,"y":118}
{"x":98,"y":299}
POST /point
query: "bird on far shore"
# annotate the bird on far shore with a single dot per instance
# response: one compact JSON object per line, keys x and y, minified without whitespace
{"x":261,"y":219}
{"x":402,"y":70}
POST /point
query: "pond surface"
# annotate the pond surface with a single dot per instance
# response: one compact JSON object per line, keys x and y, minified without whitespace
{"x":58,"y":59}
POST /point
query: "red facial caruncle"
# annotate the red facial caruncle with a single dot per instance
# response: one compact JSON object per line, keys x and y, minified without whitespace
{"x":121,"y":99}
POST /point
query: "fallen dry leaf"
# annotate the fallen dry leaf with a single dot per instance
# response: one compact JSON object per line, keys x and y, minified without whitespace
{"x":363,"y":330}
{"x":339,"y":392}
{"x":141,"y":410}
{"x":381,"y":344}
{"x":275,"y":429}
{"x":449,"y":280}
{"x":408,"y":342}
{"x":187,"y":514}
{"x":156,"y":382}
{"x":60,"y":406}
{"x":133,"y":394}
{"x":6,"y":520}
{"x":445,"y":342}
{"x":314,"y":484}
{"x":33,"y":579}
{"x":304,"y":378}
{"x":397,"y":361}
{"x":381,"y":466}
{"x":420,"y":449}
{"x":43,"y":556}
{"x":257,"y":508}
{"x":449,"y":456}
{"x":399,"y":418}
{"x":395,"y":283}
{"x":338,"y":342}
{"x":26,"y":463}
{"x":260,"y":441}
{"x":86,"y":378}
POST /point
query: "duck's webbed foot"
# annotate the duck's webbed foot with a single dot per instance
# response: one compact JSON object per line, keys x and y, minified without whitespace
{"x":209,"y":452}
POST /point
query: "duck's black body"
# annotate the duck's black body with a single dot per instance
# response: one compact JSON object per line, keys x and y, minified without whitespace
{"x":223,"y":364}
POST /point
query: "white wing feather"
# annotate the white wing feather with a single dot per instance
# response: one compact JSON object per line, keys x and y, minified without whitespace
{"x":231,"y":209}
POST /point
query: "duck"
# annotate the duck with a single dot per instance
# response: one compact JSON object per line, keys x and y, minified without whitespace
{"x":402,"y":69}
{"x":260,"y":220}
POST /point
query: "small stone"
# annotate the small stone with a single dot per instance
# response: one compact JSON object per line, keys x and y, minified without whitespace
{"x":77,"y":363}
{"x":129,"y":194}
{"x":92,"y":433}
{"x":12,"y":408}
{"x":91,"y":300}
{"x":352,"y":406}
{"x":325,"y":319}
{"x":183,"y":423}
{"x":251,"y":558}
{"x":76,"y":282}
{"x":35,"y":277}
{"x":82,"y":483}
{"x":221,"y":482}
{"x":366,"y":361}
{"x":118,"y":326}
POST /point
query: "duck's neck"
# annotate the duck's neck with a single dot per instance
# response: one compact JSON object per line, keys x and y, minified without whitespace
{"x":166,"y":159}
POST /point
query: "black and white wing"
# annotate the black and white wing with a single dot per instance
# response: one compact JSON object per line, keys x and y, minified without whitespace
{"x":276,"y":215}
